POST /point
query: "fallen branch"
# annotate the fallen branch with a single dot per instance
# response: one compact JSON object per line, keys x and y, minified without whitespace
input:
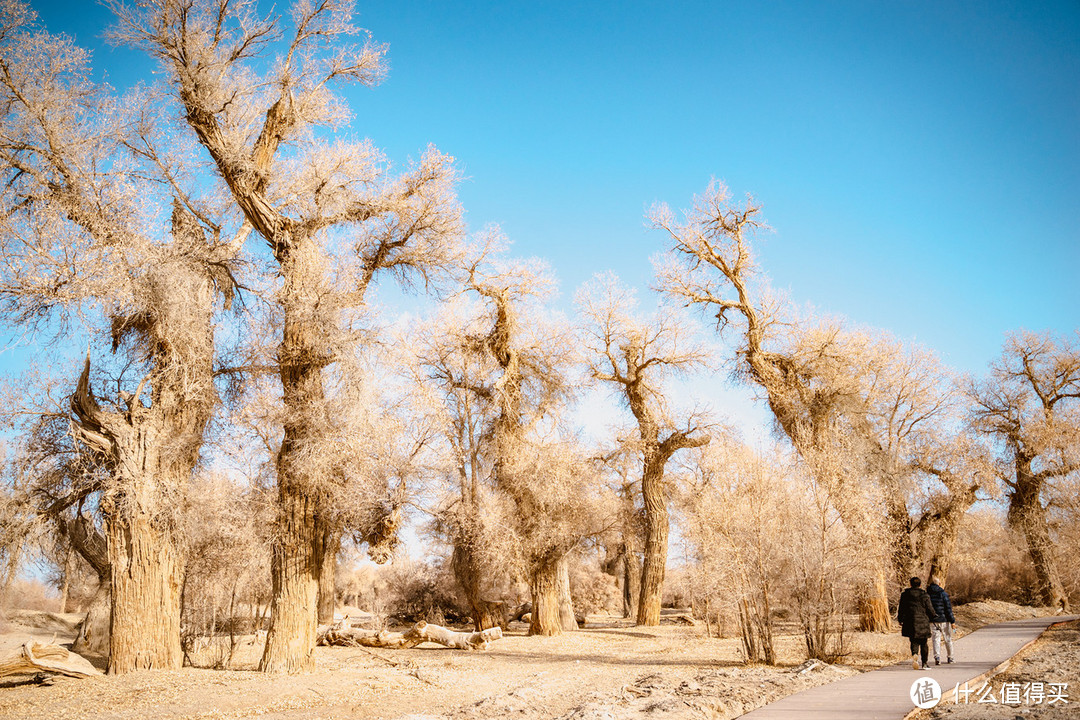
{"x":39,"y":657}
{"x":345,"y":635}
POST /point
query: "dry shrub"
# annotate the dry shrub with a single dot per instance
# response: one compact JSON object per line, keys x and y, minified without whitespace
{"x":593,"y":590}
{"x":418,"y":591}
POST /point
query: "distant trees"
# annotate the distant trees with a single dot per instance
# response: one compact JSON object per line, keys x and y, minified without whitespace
{"x":1030,"y":403}
{"x":504,"y":375}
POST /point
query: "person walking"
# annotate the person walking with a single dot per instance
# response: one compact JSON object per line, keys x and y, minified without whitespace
{"x":943,"y":622}
{"x":914,"y":613}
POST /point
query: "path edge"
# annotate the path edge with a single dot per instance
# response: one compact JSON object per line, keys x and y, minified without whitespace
{"x":920,"y":713}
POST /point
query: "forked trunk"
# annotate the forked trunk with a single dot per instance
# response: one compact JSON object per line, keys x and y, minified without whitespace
{"x":656,"y":542}
{"x":567,"y":619}
{"x":544,"y":584}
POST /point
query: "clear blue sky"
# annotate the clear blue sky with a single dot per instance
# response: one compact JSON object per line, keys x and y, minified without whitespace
{"x":919,"y":161}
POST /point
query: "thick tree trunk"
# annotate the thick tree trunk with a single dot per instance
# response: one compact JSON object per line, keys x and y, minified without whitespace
{"x":656,"y":541}
{"x":296,"y":562}
{"x":485,"y":613}
{"x":1027,"y":514}
{"x":290,"y":640}
{"x":567,"y":619}
{"x":146,"y":574}
{"x":331,"y":544}
{"x":544,"y":584}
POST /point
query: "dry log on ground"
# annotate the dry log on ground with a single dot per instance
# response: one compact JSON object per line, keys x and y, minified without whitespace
{"x":342,"y":634}
{"x":40,"y":657}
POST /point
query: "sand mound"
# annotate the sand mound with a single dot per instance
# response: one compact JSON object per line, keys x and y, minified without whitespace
{"x":60,"y":623}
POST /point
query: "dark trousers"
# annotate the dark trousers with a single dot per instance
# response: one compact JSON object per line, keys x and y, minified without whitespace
{"x":918,"y":645}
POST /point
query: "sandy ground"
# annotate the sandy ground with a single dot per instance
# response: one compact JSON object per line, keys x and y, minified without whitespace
{"x":612,"y":671}
{"x":1054,"y":658}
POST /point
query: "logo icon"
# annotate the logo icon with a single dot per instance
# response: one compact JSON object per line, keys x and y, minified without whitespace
{"x":925,"y":692}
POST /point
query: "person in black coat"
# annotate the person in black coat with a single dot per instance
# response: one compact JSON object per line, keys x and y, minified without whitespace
{"x":943,"y":622}
{"x":914,"y":613}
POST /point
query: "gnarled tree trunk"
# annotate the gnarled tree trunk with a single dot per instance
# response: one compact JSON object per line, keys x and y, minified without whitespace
{"x":544,"y":584}
{"x":296,"y":562}
{"x":656,"y":541}
{"x":1027,"y":514}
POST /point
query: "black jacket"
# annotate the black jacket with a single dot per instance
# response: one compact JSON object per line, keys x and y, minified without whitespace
{"x":914,"y":613}
{"x":942,"y":605}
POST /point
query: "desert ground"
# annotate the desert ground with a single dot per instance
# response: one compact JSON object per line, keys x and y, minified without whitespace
{"x":609,"y":670}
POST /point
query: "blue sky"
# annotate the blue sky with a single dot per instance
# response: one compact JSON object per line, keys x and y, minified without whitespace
{"x":919,"y":161}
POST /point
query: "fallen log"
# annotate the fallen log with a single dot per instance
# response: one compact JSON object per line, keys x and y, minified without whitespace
{"x":343,"y":634}
{"x":41,"y":657}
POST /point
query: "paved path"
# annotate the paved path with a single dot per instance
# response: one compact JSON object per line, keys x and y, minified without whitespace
{"x":883,"y":694}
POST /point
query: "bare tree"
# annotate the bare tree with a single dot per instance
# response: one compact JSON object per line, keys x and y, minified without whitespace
{"x":98,"y":222}
{"x":513,"y":366}
{"x":710,"y":266}
{"x":1031,"y":404}
{"x":634,"y":355}
{"x":256,"y":114}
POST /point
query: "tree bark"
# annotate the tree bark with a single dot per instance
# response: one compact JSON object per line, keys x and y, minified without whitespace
{"x":147,"y":573}
{"x":93,"y":634}
{"x":656,"y":540}
{"x":631,"y":583}
{"x":296,"y":563}
{"x":874,"y":615}
{"x":544,"y":584}
{"x":567,"y":619}
{"x":468,"y":573}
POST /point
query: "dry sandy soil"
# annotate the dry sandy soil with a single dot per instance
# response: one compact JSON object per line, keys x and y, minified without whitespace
{"x":607,"y":671}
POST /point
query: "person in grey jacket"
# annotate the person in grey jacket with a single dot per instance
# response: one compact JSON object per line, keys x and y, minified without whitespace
{"x":943,"y":622}
{"x":914,"y":613}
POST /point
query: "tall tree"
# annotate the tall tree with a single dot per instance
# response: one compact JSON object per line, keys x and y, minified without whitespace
{"x":260,"y":115}
{"x":1030,"y":403}
{"x":99,"y":223}
{"x":710,"y":266}
{"x":634,"y":355}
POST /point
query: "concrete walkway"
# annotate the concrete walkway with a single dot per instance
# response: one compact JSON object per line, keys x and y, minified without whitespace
{"x":883,"y":694}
